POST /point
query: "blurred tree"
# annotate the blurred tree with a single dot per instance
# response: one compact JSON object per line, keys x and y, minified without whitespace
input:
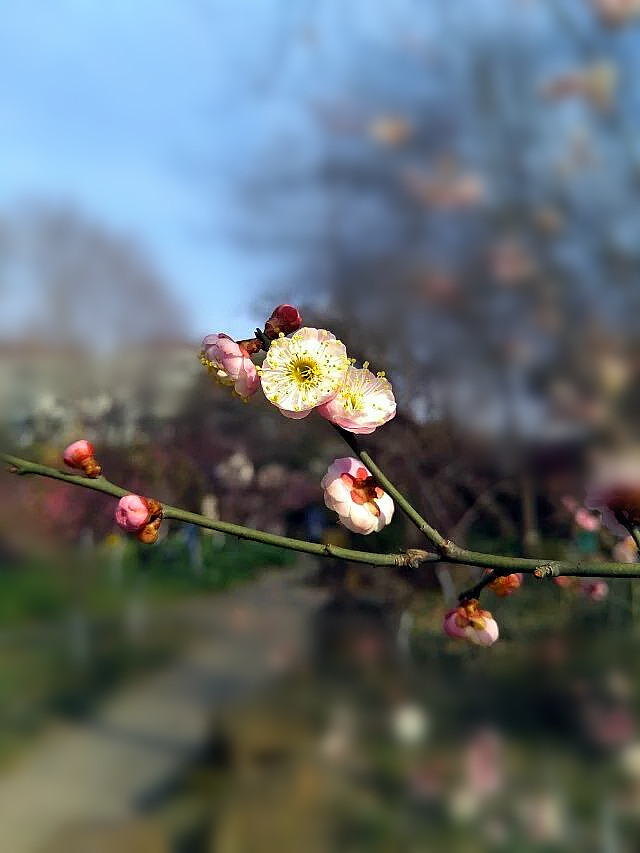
{"x":466,"y":233}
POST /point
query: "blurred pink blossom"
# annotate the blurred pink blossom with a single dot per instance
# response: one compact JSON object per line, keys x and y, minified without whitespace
{"x":586,"y":520}
{"x":595,"y":589}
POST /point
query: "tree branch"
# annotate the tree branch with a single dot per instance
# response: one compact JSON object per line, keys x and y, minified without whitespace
{"x":434,"y":536}
{"x":449,"y":552}
{"x":412,"y":557}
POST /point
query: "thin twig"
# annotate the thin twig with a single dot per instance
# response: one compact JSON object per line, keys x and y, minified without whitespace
{"x":474,"y":591}
{"x":433,"y":535}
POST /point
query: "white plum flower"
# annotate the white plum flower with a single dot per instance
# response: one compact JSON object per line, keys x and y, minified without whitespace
{"x":303,"y":371}
{"x":363,"y":403}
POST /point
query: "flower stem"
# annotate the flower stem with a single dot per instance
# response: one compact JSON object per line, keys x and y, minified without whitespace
{"x":474,"y":591}
{"x":412,"y":514}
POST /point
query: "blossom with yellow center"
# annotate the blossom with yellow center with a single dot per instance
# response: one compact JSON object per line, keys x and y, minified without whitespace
{"x":303,"y":371}
{"x":363,"y":403}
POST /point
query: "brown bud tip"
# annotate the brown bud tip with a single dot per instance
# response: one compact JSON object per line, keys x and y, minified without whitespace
{"x":283,"y":320}
{"x":149,"y":534}
{"x":91,"y":468}
{"x":251,"y":345}
{"x":155,"y":509}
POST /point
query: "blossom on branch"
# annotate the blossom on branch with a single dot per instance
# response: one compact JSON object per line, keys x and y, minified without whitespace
{"x":140,"y":515}
{"x":506,"y":584}
{"x":132,"y":513}
{"x":615,"y":492}
{"x":81,"y":455}
{"x":303,"y":371}
{"x":469,"y":622}
{"x":351,"y":491}
{"x":230,"y":363}
{"x":363,"y":403}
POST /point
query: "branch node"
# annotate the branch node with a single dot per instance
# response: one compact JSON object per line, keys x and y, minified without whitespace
{"x":548,"y":570}
{"x":414,"y":557}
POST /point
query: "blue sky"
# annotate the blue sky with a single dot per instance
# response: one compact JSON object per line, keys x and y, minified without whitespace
{"x":143,"y":115}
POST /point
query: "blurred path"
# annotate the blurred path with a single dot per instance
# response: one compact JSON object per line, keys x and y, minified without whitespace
{"x":105,"y":767}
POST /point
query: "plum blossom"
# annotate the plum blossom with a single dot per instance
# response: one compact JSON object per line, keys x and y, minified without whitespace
{"x":468,"y":622}
{"x":351,"y":491}
{"x":506,"y":584}
{"x":303,"y":371}
{"x":625,"y":551}
{"x":586,"y":520}
{"x":132,"y":513}
{"x":230,"y":364}
{"x":81,"y":455}
{"x":363,"y":403}
{"x":615,"y":493}
{"x":595,"y":589}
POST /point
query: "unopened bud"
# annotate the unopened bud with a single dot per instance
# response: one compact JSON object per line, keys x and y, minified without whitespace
{"x":283,"y":320}
{"x":140,"y":515}
{"x":149,"y":534}
{"x":132,"y":513}
{"x":80,"y":455}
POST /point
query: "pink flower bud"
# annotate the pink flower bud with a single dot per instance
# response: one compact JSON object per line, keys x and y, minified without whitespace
{"x":351,"y":491}
{"x":469,"y":622}
{"x":230,"y":364}
{"x":80,"y":455}
{"x":283,"y":320}
{"x":133,"y":513}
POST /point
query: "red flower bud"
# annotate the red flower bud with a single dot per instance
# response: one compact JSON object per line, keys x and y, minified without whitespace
{"x":80,"y":455}
{"x":284,"y":319}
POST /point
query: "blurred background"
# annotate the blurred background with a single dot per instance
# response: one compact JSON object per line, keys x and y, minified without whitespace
{"x":452,"y":188}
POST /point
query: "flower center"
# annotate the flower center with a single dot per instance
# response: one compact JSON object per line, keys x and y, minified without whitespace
{"x":364,"y":490}
{"x":304,"y":372}
{"x":353,"y":401}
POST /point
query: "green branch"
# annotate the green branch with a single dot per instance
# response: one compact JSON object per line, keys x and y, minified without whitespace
{"x":412,"y":514}
{"x":448,"y":553}
{"x":411,"y":557}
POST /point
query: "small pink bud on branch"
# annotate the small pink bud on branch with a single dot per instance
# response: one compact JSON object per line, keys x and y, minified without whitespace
{"x":140,"y":515}
{"x":81,"y":456}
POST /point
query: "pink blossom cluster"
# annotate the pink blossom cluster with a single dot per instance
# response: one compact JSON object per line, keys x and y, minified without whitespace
{"x":307,"y":371}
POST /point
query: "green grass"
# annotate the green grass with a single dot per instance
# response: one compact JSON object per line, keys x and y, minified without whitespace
{"x":42,"y":593}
